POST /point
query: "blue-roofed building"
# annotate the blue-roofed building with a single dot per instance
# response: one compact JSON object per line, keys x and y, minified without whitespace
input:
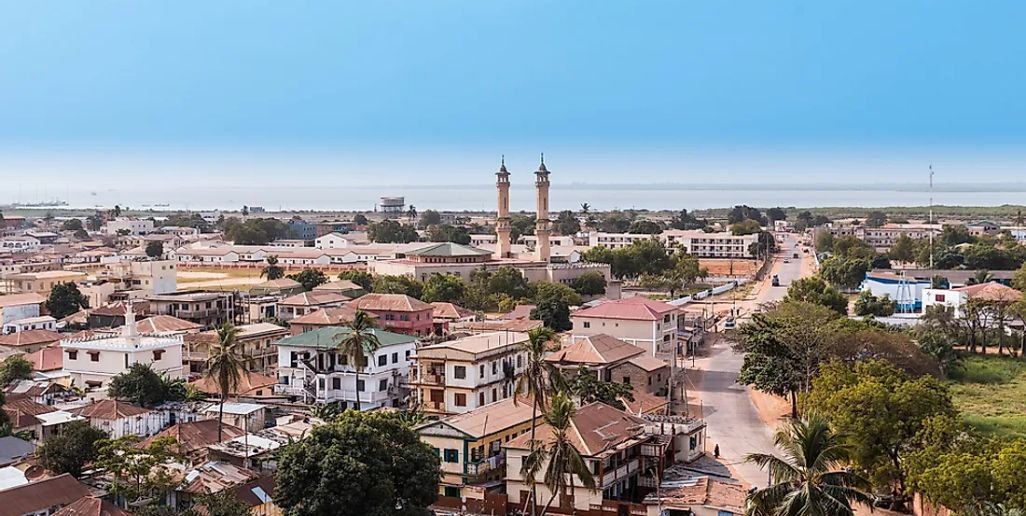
{"x":906,"y":291}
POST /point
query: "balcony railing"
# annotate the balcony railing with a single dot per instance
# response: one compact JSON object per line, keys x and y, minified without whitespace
{"x":438,"y":406}
{"x":623,"y":471}
{"x":483,"y":466}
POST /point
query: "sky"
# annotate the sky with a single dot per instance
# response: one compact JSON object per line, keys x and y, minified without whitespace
{"x":433,"y":91}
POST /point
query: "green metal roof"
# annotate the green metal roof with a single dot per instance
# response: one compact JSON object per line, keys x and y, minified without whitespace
{"x":328,"y":338}
{"x":448,"y":249}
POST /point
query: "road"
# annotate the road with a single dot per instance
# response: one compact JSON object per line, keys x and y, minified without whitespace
{"x":733,"y":421}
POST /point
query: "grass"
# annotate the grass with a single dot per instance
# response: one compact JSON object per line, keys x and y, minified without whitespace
{"x":990,"y":391}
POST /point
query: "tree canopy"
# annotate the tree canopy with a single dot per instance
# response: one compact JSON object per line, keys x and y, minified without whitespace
{"x":257,"y":231}
{"x":309,"y":278}
{"x":814,"y":290}
{"x":390,"y":231}
{"x":71,"y":449}
{"x":65,"y":299}
{"x":141,"y":385}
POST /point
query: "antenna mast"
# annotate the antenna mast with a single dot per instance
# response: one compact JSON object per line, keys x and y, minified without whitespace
{"x":931,"y":216}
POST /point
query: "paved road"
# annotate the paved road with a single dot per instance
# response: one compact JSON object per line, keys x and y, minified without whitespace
{"x":733,"y":421}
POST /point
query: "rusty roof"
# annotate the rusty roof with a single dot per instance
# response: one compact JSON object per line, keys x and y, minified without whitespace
{"x":90,"y":506}
{"x":595,"y":428}
{"x":450,"y":311}
{"x":109,"y":409}
{"x":29,"y":338}
{"x":332,"y":316}
{"x":598,"y":349}
{"x":41,"y":496}
{"x":249,"y":383}
{"x":195,"y":435}
{"x":390,"y":303}
{"x":165,"y":324}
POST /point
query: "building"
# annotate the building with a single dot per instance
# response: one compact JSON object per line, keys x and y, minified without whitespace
{"x":92,"y":506}
{"x":255,"y":341}
{"x":301,"y":229}
{"x":392,"y":206}
{"x":325,"y":317}
{"x":957,"y":298}
{"x":145,"y":276}
{"x":281,"y":287}
{"x":613,"y":360}
{"x":20,"y":306}
{"x":119,"y":418}
{"x":311,"y":368}
{"x":470,"y":445}
{"x":127,"y":226}
{"x":43,"y":498}
{"x":905,"y":290}
{"x":193,"y":437}
{"x":696,"y":242}
{"x":28,"y":341}
{"x":308,"y":302}
{"x":114,"y":314}
{"x":166,"y":324}
{"x":398,"y":312}
{"x":207,"y":309}
{"x":251,"y":417}
{"x":643,"y":322}
{"x":44,"y":322}
{"x":461,"y":375}
{"x":42,"y":282}
{"x":686,"y":491}
{"x":448,"y":314}
{"x":344,"y":287}
{"x":35,"y":419}
{"x":92,"y":361}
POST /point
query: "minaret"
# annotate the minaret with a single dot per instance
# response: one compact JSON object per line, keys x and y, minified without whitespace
{"x":130,"y":333}
{"x":502,"y":227}
{"x":542,"y":229}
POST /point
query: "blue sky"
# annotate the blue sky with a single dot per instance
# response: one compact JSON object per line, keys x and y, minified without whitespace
{"x":448,"y":85}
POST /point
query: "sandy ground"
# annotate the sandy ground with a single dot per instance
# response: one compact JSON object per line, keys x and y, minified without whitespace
{"x":216,"y":280}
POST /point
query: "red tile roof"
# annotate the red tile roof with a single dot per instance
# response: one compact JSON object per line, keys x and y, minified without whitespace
{"x":637,"y":308}
{"x":334,"y":316}
{"x":90,"y":506}
{"x":390,"y":303}
{"x":450,"y":311}
{"x":50,"y":358}
{"x":595,"y":350}
{"x":314,"y":298}
{"x":595,"y":428}
{"x":249,"y":383}
{"x":165,"y":324}
{"x":29,"y":338}
{"x":991,"y":291}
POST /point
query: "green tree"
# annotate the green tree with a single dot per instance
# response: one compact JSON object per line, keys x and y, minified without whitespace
{"x":141,"y":385}
{"x":589,"y":284}
{"x":447,"y":288}
{"x":430,"y":218}
{"x":955,"y":235}
{"x":390,"y":231}
{"x":360,"y":219}
{"x":272,"y":270}
{"x":810,"y":478}
{"x":824,"y":241}
{"x":803,"y":220}
{"x":360,"y":341}
{"x":309,"y":278}
{"x":560,"y":458}
{"x":14,"y":367}
{"x":71,"y":449}
{"x":155,"y":249}
{"x":852,"y":247}
{"x":742,"y":212}
{"x":685,"y":220}
{"x":881,"y":410}
{"x":567,"y":224}
{"x":361,"y":278}
{"x":937,"y":344}
{"x":646,"y":227}
{"x":538,"y":382}
{"x":587,"y":388}
{"x":508,"y":280}
{"x":553,"y":313}
{"x":545,"y":291}
{"x":363,"y":463}
{"x":397,"y":285}
{"x":223,"y":503}
{"x":258,"y":231}
{"x":903,"y":249}
{"x":226,"y":366}
{"x":815,"y":290}
{"x":844,"y":272}
{"x":72,"y":225}
{"x":448,"y":233}
{"x":868,"y":304}
{"x":775,"y":214}
{"x":745,"y":227}
{"x":615,"y":222}
{"x":875,"y":219}
{"x":521,"y":225}
{"x":65,"y":299}
{"x":138,"y":472}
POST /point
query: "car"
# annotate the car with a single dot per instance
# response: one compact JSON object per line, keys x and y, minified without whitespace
{"x":776,"y":281}
{"x":787,"y":260}
{"x":729,"y":324}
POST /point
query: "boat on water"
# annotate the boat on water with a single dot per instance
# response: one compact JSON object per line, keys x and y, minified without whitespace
{"x":41,"y":204}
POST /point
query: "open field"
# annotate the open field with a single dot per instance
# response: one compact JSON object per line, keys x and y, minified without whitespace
{"x":222,"y":279}
{"x":990,"y":391}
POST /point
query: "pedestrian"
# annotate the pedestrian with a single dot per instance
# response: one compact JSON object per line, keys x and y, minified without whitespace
{"x":716,"y":451}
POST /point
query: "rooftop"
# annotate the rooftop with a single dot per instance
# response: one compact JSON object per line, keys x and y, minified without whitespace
{"x":329,"y":316}
{"x":991,"y":291}
{"x":450,"y":311}
{"x":28,"y":298}
{"x":41,"y":496}
{"x":109,"y":409}
{"x":329,"y":336}
{"x":389,"y":302}
{"x":90,"y":506}
{"x":598,"y":349}
{"x":486,"y":420}
{"x":238,"y":409}
{"x":475,"y":344}
{"x":29,"y":338}
{"x":637,"y":308}
{"x":196,"y":435}
{"x":448,"y":249}
{"x":314,"y":298}
{"x":249,"y":383}
{"x":596,"y":427}
{"x":165,"y":324}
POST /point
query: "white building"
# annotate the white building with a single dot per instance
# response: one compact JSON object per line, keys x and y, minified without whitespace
{"x":44,"y":322}
{"x":956,"y":298}
{"x":127,"y":224}
{"x":695,"y":242}
{"x":646,"y":323}
{"x":14,"y":307}
{"x":310,"y":367}
{"x":904,"y":290}
{"x":19,"y":243}
{"x":148,"y":276}
{"x":93,"y":361}
{"x":333,"y":241}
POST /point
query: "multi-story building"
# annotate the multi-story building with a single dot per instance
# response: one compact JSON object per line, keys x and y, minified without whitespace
{"x":470,"y":444}
{"x":613,"y":360}
{"x":147,"y":276}
{"x":127,"y":225}
{"x":643,"y":322}
{"x":461,"y":375}
{"x":308,"y":302}
{"x":208,"y":309}
{"x":697,"y":243}
{"x":42,"y":282}
{"x":398,"y":312}
{"x":20,"y":306}
{"x":94,"y":360}
{"x":311,"y":368}
{"x":256,"y":343}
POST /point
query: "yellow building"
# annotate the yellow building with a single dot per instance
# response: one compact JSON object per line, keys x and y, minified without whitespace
{"x":42,"y":282}
{"x":470,"y":445}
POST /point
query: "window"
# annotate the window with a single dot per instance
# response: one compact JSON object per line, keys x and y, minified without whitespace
{"x":452,"y":492}
{"x":395,"y":358}
{"x":450,"y":455}
{"x":359,"y":385}
{"x":157,"y":353}
{"x":336,"y":383}
{"x":480,"y":399}
{"x":495,"y":367}
{"x":407,"y":354}
{"x":389,"y":317}
{"x":627,"y":380}
{"x":461,"y":399}
{"x":383,"y":385}
{"x":939,"y":298}
{"x":587,"y":324}
{"x":459,"y":372}
{"x":520,"y":361}
{"x":383,"y":360}
{"x":73,"y":354}
{"x":94,"y":356}
{"x":482,"y":371}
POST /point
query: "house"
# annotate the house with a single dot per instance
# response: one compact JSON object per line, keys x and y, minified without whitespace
{"x":113,"y":314}
{"x":446,"y":314}
{"x":119,"y":418}
{"x":207,"y":309}
{"x":324,"y":317}
{"x":251,"y":385}
{"x":905,"y":290}
{"x":310,"y":368}
{"x":613,"y":360}
{"x":43,"y":322}
{"x":43,"y":498}
{"x":282,"y":287}
{"x":258,"y":495}
{"x":167,"y":324}
{"x":19,"y":243}
{"x":37,"y":420}
{"x":127,"y":226}
{"x":643,"y":322}
{"x":14,"y":307}
{"x":192,"y":438}
{"x":470,"y":445}
{"x":41,"y":391}
{"x":14,"y":450}
{"x":93,"y":361}
{"x":461,"y":375}
{"x":256,"y":343}
{"x":28,"y":341}
{"x":684,"y":491}
{"x":610,"y":441}
{"x":257,"y":452}
{"x":333,"y":240}
{"x":42,"y":282}
{"x":47,"y":360}
{"x":398,"y":312}
{"x":307,"y":302}
{"x":957,"y":298}
{"x":345,"y":287}
{"x":92,"y":506}
{"x":212,"y":477}
{"x":251,"y":417}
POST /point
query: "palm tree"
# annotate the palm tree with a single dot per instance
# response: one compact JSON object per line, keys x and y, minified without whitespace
{"x":357,"y":343}
{"x":538,"y":380}
{"x":564,"y":460}
{"x":982,"y":276}
{"x":225,"y":366}
{"x":411,"y":213}
{"x":585,"y":208}
{"x":272,"y":270}
{"x":808,"y":479}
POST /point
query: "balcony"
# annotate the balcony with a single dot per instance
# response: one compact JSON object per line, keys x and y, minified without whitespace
{"x":434,"y":406}
{"x":623,"y":471}
{"x":484,"y":466}
{"x":428,"y":378}
{"x":197,"y":314}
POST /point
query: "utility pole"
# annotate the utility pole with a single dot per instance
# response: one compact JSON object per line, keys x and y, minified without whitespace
{"x":931,"y":216}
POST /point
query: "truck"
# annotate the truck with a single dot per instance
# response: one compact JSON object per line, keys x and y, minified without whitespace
{"x":776,"y":281}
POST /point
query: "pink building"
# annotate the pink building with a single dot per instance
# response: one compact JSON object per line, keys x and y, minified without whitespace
{"x":398,"y":313}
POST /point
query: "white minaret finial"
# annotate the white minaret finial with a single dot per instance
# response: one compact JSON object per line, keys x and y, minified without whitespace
{"x":130,"y":332}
